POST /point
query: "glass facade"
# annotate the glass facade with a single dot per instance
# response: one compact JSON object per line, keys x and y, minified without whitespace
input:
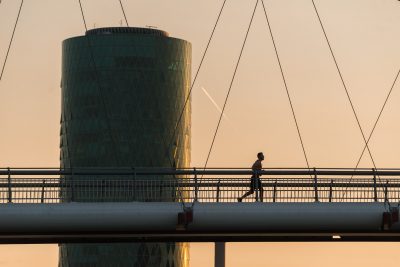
{"x":123,"y":90}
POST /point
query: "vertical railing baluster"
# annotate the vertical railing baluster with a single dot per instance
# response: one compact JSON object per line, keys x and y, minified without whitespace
{"x":274,"y":193}
{"x":196,"y":188}
{"x":134,"y":193}
{"x":375,"y":189}
{"x":218,"y":189}
{"x":9,"y":186}
{"x":103,"y":194}
{"x":72,"y":185}
{"x":257,"y":178}
{"x":42,"y":197}
{"x":316,"y":197}
{"x":330,"y":191}
{"x":386,"y":191}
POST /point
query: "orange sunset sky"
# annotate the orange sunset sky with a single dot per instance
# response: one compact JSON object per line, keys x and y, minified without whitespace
{"x":365,"y":35}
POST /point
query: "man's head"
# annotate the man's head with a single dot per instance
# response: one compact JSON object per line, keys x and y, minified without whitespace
{"x":260,"y":156}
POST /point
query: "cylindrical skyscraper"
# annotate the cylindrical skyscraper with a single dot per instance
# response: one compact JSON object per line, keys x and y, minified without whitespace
{"x":123,"y":90}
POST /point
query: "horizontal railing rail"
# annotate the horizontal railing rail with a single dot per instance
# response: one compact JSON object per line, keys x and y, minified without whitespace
{"x":199,"y":171}
{"x":221,"y":183}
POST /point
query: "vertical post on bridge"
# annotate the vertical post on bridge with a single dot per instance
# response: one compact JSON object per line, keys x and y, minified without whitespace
{"x":316,"y":186}
{"x":133,"y":192}
{"x":42,"y":196}
{"x":386,"y":192}
{"x":219,"y":257}
{"x":9,"y":185}
{"x":375,"y":190}
{"x":72,"y":186}
{"x":330,"y":191}
{"x":218,"y":189}
{"x":219,"y":247}
{"x":274,"y":193}
{"x":257,"y":179}
{"x":196,"y":187}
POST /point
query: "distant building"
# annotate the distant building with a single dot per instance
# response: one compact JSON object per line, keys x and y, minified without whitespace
{"x":123,"y":90}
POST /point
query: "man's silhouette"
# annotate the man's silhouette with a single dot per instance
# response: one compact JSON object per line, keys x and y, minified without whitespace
{"x":255,"y":179}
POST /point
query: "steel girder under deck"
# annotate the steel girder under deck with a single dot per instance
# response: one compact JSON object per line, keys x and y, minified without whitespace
{"x":158,"y":221}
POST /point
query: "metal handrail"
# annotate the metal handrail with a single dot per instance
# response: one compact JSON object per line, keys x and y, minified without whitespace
{"x":193,"y":171}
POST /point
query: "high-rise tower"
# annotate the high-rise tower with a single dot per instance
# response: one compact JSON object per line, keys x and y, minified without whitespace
{"x":123,"y":90}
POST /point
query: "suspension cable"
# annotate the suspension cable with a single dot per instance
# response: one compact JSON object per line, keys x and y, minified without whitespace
{"x":167,"y":146}
{"x":83,"y":15}
{"x":231,"y":83}
{"x":99,"y":86}
{"x":344,"y":84}
{"x":123,"y":11}
{"x":373,"y":128}
{"x":379,"y":116}
{"x":346,"y":90}
{"x":11,"y":40}
{"x":285,"y":83}
{"x":195,"y":79}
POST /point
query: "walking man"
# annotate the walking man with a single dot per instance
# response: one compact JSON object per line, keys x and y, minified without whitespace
{"x":255,"y":179}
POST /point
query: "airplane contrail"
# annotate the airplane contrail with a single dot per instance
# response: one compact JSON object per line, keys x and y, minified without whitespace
{"x":214,"y":103}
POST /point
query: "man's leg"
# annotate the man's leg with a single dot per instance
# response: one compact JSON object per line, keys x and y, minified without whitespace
{"x":248,"y":193}
{"x":251,"y":191}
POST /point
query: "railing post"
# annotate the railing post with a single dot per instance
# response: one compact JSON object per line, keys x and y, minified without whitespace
{"x":330,"y":191}
{"x":42,"y":196}
{"x":132,"y":185}
{"x":375,"y":189}
{"x":316,"y":186}
{"x":386,"y":191}
{"x":274,"y":193}
{"x":135,"y":193}
{"x":257,"y":177}
{"x":9,"y":186}
{"x":72,"y":185}
{"x":218,"y":185}
{"x":196,"y":188}
{"x":103,"y":190}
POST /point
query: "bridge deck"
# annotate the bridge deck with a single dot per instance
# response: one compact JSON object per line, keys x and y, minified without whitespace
{"x":133,"y":204}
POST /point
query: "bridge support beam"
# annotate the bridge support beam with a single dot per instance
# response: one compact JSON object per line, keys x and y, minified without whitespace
{"x":152,"y":221}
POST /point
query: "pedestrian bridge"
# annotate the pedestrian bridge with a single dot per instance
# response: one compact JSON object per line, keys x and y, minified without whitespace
{"x":137,"y":204}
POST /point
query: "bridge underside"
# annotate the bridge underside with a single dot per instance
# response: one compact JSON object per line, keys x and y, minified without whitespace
{"x":197,"y":237}
{"x":212,"y":222}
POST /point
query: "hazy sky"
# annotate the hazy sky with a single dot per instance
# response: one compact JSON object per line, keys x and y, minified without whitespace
{"x":364,"y":36}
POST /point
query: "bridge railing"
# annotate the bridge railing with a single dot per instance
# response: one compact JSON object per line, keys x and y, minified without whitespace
{"x":189,"y":185}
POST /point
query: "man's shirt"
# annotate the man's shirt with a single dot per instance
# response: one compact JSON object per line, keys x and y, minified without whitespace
{"x":257,"y":166}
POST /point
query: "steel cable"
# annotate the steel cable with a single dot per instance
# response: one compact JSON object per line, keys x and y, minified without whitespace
{"x":285,"y":83}
{"x":83,"y":15}
{"x":231,"y":83}
{"x":99,"y":86}
{"x":380,"y":113}
{"x":12,"y":38}
{"x":343,"y":83}
{"x":123,"y":11}
{"x":167,"y":146}
{"x":344,"y":86}
{"x":194,"y":80}
{"x":373,"y":128}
